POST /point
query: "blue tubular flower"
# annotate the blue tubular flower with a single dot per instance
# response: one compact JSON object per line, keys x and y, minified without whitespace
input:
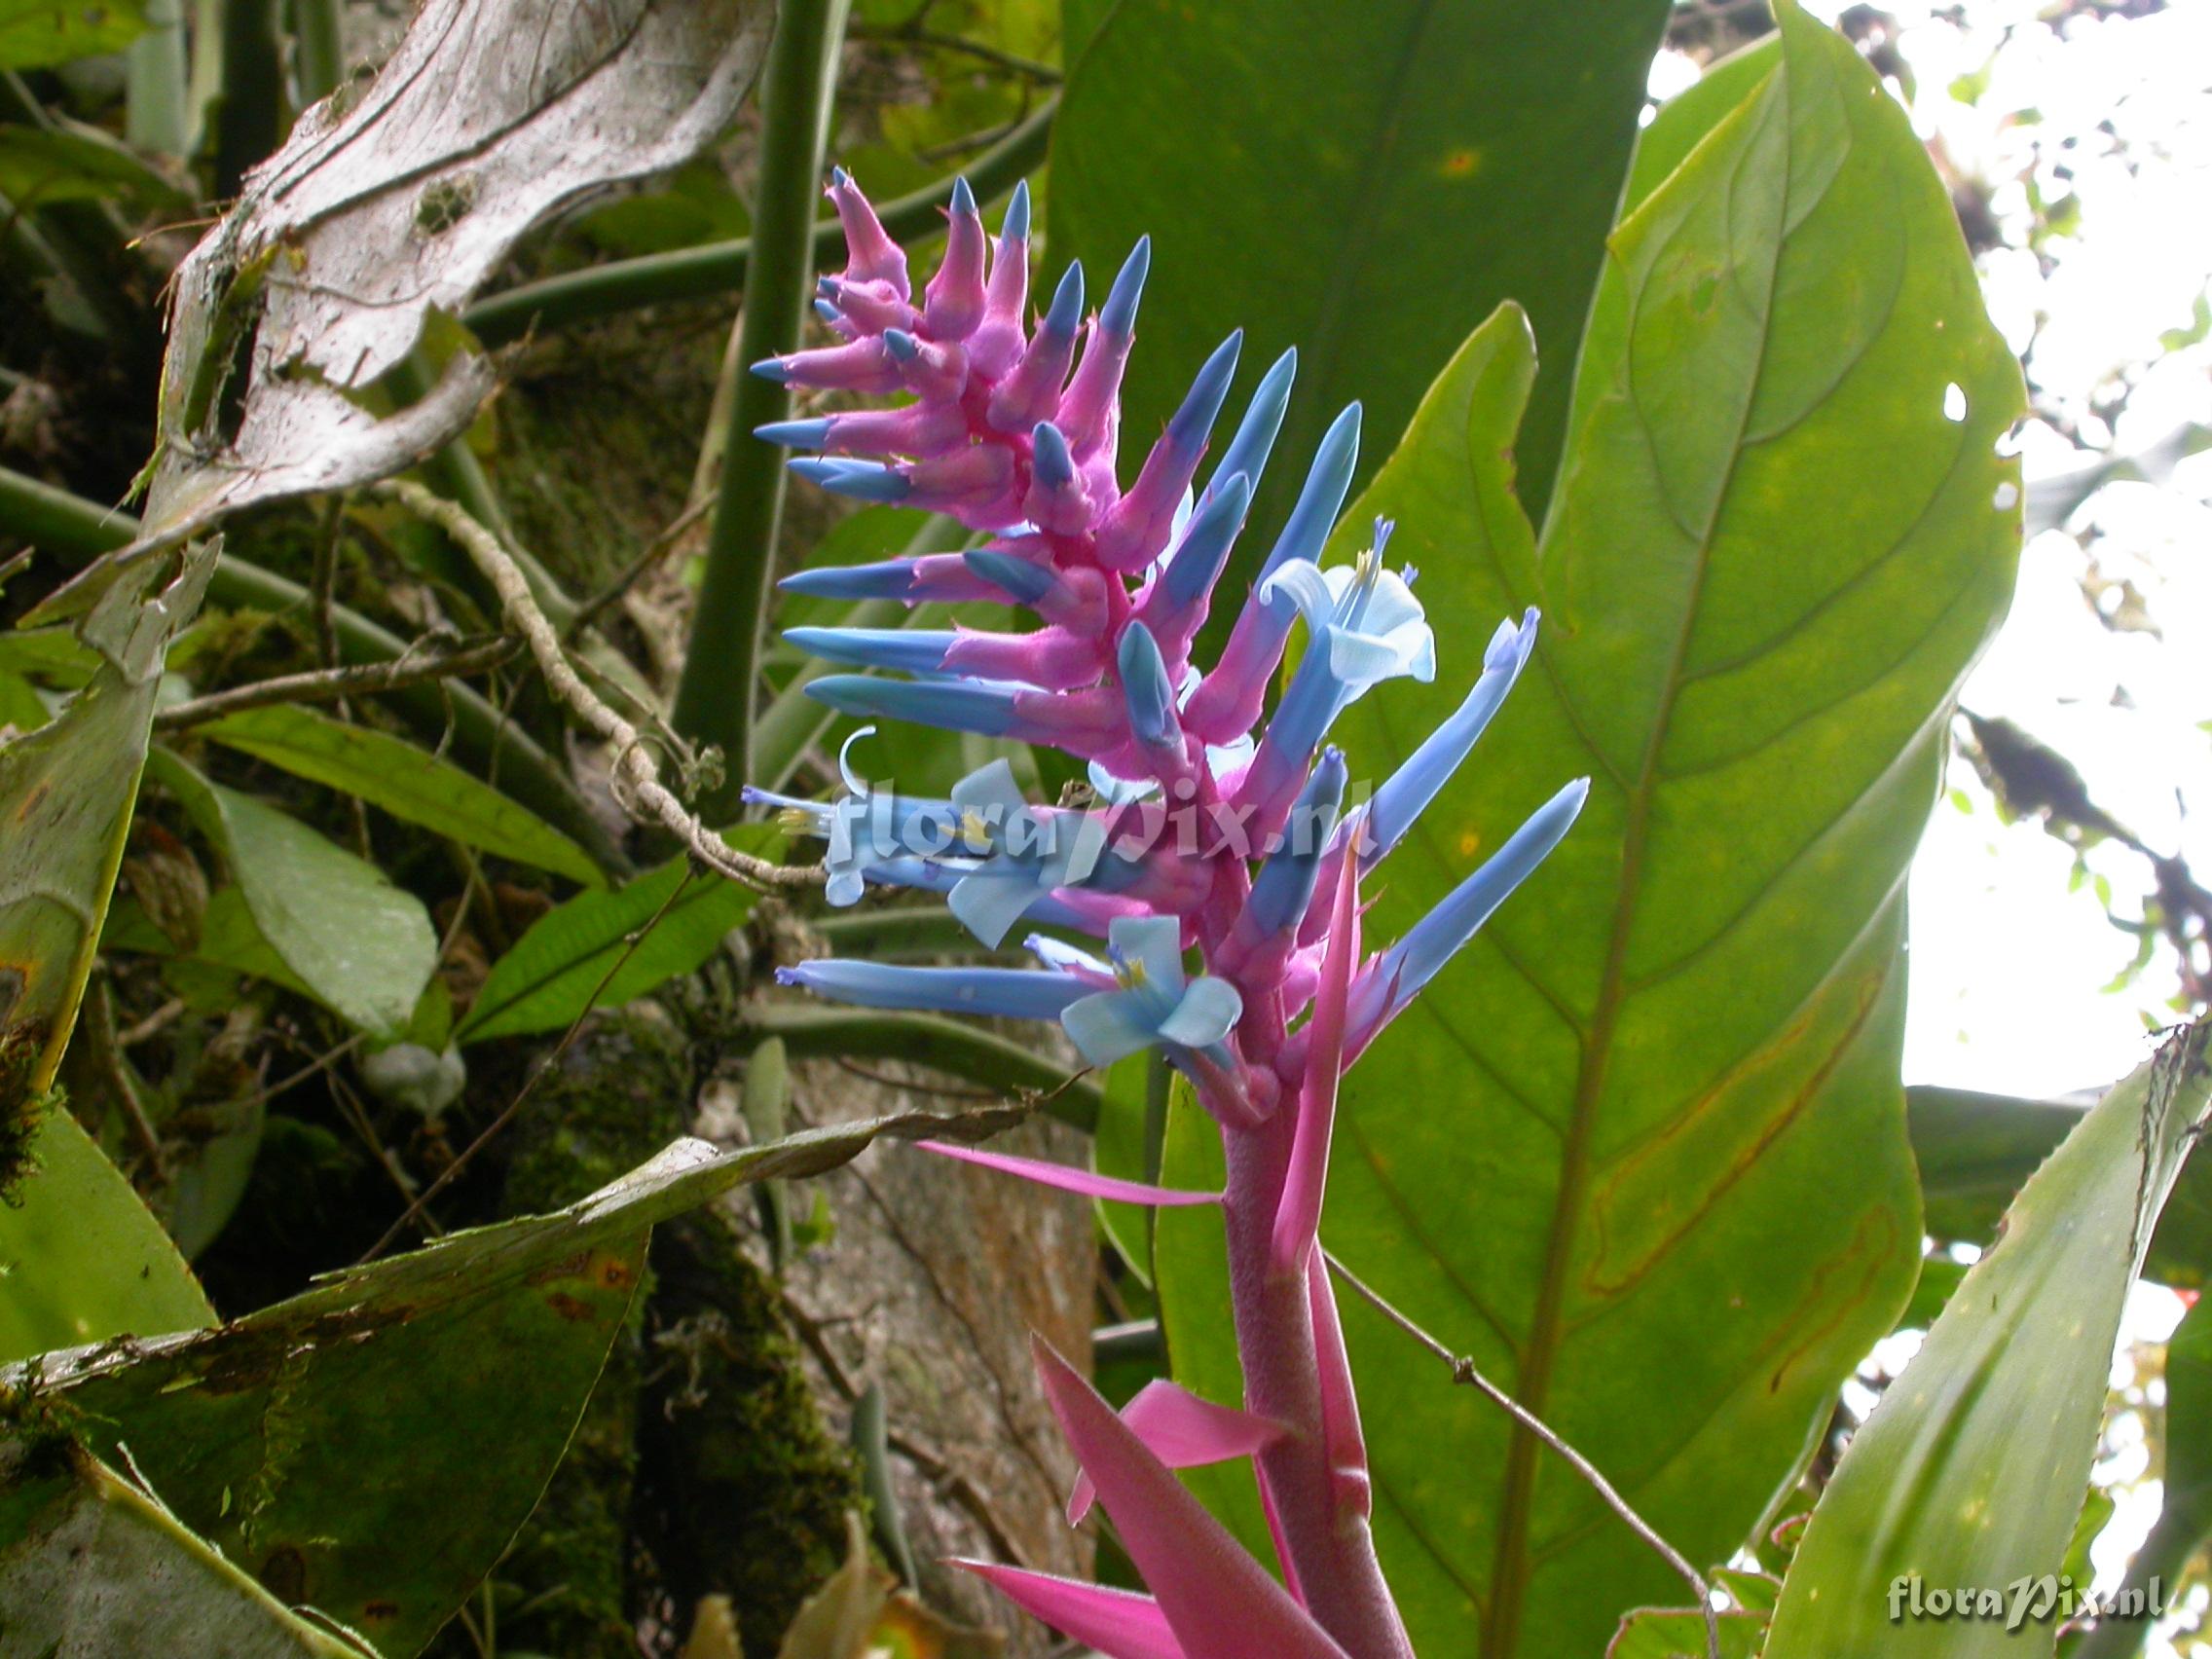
{"x":912,"y":650}
{"x":1149,"y":694}
{"x":1228,"y":702}
{"x":1137,"y":528}
{"x":1248,"y":451}
{"x":1391,"y":980}
{"x":1009,"y":993}
{"x":1284,"y":886}
{"x":953,"y":705}
{"x":1366,"y":627}
{"x":1321,"y":497}
{"x":1030,"y":855}
{"x":1196,"y":565}
{"x":1407,"y":792}
{"x":860,"y":480}
{"x":1018,"y":578}
{"x":1154,"y":1005}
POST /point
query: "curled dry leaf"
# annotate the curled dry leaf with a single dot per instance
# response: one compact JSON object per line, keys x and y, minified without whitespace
{"x":384,"y":211}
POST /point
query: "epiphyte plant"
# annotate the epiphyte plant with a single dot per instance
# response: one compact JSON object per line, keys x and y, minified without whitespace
{"x":1199,"y":837}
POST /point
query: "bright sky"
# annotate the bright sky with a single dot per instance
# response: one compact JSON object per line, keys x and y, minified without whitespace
{"x":2011,"y":963}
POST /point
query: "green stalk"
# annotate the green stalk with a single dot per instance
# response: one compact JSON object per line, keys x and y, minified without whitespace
{"x":718,"y":267}
{"x":79,"y":531}
{"x":810,"y":1031}
{"x":321,"y":63}
{"x":158,"y":113}
{"x":715,"y":697}
{"x":249,"y":118}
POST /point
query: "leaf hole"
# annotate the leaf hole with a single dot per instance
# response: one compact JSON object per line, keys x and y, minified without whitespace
{"x":2007,"y":497}
{"x":1954,"y":402}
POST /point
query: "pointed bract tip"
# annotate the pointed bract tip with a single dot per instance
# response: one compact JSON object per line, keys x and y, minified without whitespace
{"x":901,"y":344}
{"x":1120,"y":317}
{"x":773,"y":369}
{"x":963,"y":198}
{"x":839,"y":177}
{"x":797,"y":434}
{"x":1016,"y":226}
{"x":1065,"y":312}
{"x":828,"y":312}
{"x":1055,"y":466}
{"x":1204,"y":403}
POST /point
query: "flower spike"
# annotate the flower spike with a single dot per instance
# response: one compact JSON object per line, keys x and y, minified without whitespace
{"x":1213,"y":855}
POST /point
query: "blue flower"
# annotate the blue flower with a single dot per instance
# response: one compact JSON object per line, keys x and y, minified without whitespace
{"x":1154,"y":1004}
{"x":1030,"y":855}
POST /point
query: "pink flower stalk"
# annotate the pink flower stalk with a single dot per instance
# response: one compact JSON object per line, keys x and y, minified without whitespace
{"x":1211,"y":839}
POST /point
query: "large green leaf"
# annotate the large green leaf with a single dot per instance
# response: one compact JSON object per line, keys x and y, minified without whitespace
{"x":85,"y":1259}
{"x":371,"y":1447}
{"x":1972,"y":1469}
{"x":1648,"y":1126}
{"x":554,"y":975}
{"x":363,"y":947}
{"x":35,"y":34}
{"x":1367,"y":193}
{"x":90,"y":1566}
{"x":411,"y":783}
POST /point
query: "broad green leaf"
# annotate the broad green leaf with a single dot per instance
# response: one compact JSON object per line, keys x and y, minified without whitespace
{"x":1692,"y":113}
{"x":1604,"y":1146}
{"x":1367,"y":194}
{"x":1977,"y":1151}
{"x":371,"y":1447}
{"x":37,"y":34}
{"x":1971,"y":1470}
{"x":85,"y":1259}
{"x":552,"y":976}
{"x":361,"y":946}
{"x":410,"y":782}
{"x":91,"y":1567}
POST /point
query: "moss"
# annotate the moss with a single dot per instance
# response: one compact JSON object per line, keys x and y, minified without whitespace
{"x":592,"y":463}
{"x":748,"y":1489}
{"x":569,"y":1585}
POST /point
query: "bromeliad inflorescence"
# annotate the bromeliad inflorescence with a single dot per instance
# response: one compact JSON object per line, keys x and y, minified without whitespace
{"x":1200,"y":839}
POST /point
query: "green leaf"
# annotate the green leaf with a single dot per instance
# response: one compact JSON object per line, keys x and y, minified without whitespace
{"x":36,"y":34}
{"x":2184,"y":1515}
{"x":1604,"y":1147}
{"x":361,"y":946}
{"x":549,"y":978}
{"x":1654,"y":1634}
{"x":411,"y":783}
{"x":373,"y":1445}
{"x":88,"y":1564}
{"x":1977,"y":1151}
{"x":85,"y":1259}
{"x":1120,"y":1147}
{"x":1971,"y":1470}
{"x":65,"y":795}
{"x":1366,"y":193}
{"x":40,"y":167}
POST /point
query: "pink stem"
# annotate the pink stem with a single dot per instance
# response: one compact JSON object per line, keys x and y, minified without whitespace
{"x":1330,"y":1545}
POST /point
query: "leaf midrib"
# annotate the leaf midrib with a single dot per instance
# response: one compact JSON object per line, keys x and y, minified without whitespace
{"x":1501,"y":1627}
